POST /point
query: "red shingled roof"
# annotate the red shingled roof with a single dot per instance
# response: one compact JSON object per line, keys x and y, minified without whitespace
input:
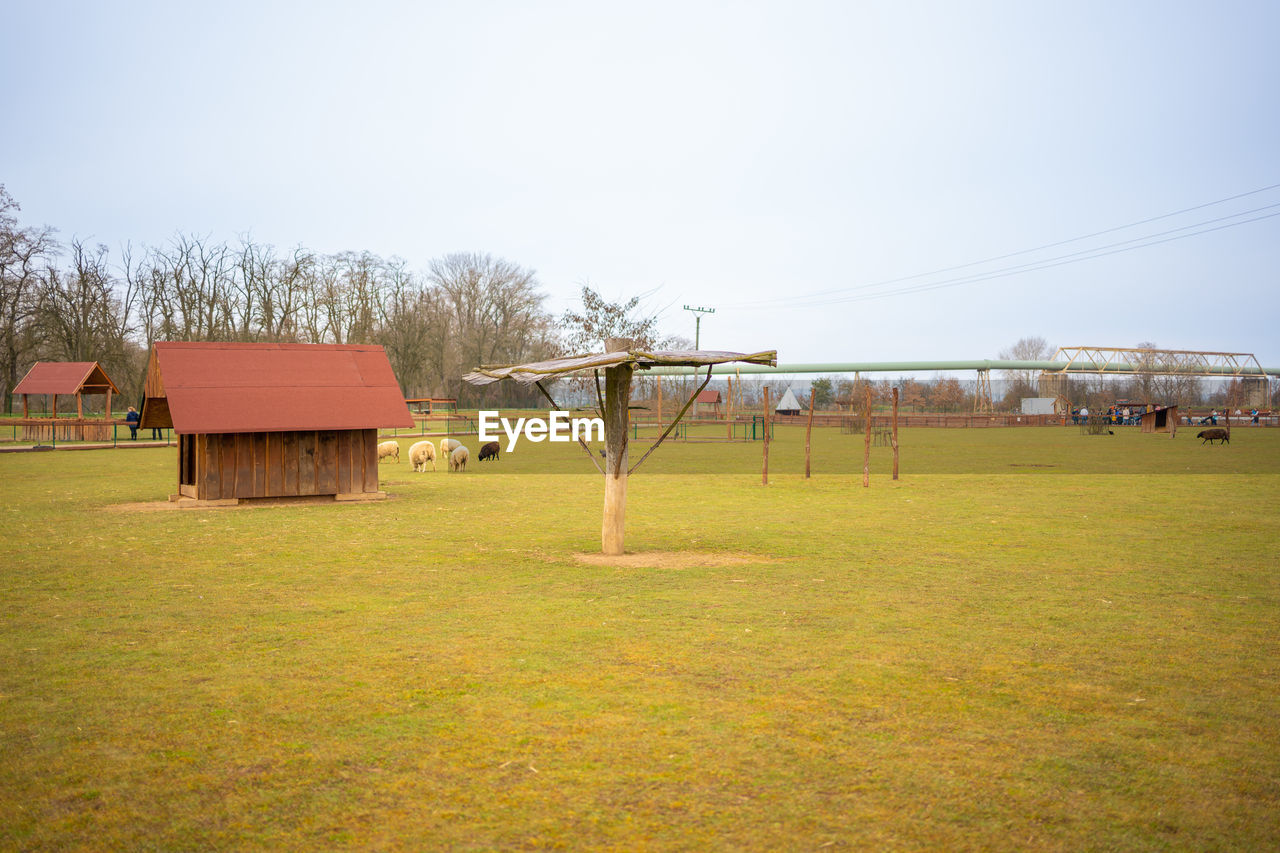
{"x":237,"y":387}
{"x":65,"y":377}
{"x":708,"y":396}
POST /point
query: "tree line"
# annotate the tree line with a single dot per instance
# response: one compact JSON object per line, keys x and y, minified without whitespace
{"x":78,"y":302}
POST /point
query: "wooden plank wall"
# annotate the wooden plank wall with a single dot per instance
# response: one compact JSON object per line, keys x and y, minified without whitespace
{"x":68,"y":429}
{"x":285,"y":464}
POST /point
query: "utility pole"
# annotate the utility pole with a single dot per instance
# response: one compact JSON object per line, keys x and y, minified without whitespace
{"x":697,"y":326}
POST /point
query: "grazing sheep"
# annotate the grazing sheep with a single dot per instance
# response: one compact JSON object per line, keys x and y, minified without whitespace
{"x":458,"y":459}
{"x":489,"y":451}
{"x":446,"y":447}
{"x":1215,"y":434}
{"x":389,"y":449}
{"x":421,"y":453}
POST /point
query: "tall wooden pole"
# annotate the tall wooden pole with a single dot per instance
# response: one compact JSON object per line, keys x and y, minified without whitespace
{"x":728,"y":417}
{"x":808,"y":431}
{"x":659,"y":379}
{"x":617,"y":398}
{"x":895,"y":433}
{"x":765,"y":474}
{"x":866,"y":446}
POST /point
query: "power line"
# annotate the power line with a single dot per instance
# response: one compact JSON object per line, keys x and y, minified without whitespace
{"x":815,"y":295}
{"x":1063,"y":260}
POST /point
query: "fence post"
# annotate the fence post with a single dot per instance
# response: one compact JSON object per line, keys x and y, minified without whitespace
{"x":895,"y":433}
{"x":808,"y":431}
{"x":866,"y":446}
{"x":765,"y":473}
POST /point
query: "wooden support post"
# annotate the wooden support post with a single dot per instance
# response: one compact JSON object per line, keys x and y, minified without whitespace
{"x":808,"y":431}
{"x":765,"y":475}
{"x":866,"y":445}
{"x":617,"y":397}
{"x":729,"y":408}
{"x":659,"y":402}
{"x":895,"y":433}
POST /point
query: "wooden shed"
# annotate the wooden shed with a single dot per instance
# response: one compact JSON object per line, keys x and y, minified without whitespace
{"x":273,"y":420}
{"x":1161,"y":420}
{"x":56,"y":379}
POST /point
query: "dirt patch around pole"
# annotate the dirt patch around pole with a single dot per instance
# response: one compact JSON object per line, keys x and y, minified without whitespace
{"x":670,"y":560}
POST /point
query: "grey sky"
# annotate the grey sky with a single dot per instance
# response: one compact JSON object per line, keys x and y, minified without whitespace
{"x":737,"y":155}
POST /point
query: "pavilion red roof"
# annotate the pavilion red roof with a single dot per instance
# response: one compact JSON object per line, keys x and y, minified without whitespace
{"x":65,"y":377}
{"x":708,"y":396}
{"x":246,"y":387}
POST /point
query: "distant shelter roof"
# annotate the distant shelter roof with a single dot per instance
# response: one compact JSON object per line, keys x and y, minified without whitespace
{"x":213,"y":387}
{"x":788,"y":403}
{"x":65,"y":377}
{"x":527,"y":374}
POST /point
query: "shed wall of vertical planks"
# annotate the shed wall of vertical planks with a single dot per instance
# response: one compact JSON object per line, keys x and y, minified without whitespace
{"x":223,"y":466}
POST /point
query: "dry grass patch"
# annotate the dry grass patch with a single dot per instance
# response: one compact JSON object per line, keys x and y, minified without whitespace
{"x":1003,"y":659}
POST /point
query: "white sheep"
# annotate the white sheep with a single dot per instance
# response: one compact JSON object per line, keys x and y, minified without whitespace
{"x":446,"y":447}
{"x":458,"y":459}
{"x":389,"y":449}
{"x":421,"y":453}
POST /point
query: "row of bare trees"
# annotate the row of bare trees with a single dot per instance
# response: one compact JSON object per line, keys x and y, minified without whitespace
{"x":77,"y":303}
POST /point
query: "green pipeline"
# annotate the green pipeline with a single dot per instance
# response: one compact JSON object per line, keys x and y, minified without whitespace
{"x":919,"y":366}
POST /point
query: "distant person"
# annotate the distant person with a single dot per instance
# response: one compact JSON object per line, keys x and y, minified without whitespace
{"x":1254,"y":414}
{"x":132,"y":418}
{"x":1084,"y":413}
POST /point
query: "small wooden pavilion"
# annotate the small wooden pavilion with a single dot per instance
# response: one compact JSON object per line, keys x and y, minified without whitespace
{"x":273,"y":420}
{"x":64,"y":379}
{"x":708,"y":399}
{"x":619,"y":362}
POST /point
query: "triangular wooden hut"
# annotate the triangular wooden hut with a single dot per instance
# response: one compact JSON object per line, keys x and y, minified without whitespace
{"x":619,"y":362}
{"x":788,"y":405}
{"x":273,"y":420}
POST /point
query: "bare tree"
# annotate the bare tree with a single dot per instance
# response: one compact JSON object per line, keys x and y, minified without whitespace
{"x":946,"y":395}
{"x":192,"y":290}
{"x":496,"y":313}
{"x":76,"y":310}
{"x":586,"y":330}
{"x":1021,"y":382}
{"x":82,"y":317}
{"x":25,"y":254}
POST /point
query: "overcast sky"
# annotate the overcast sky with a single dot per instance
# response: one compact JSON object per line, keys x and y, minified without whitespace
{"x":836,"y":179}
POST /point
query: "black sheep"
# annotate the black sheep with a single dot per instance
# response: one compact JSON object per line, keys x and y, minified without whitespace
{"x":1215,"y":434}
{"x":489,"y":451}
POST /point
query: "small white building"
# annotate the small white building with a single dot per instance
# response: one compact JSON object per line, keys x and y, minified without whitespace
{"x":1037,"y":405}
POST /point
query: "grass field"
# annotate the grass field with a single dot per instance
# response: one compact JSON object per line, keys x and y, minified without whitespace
{"x":1033,"y":640}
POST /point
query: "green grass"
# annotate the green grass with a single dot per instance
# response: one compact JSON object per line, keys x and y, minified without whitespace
{"x":988,"y":653}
